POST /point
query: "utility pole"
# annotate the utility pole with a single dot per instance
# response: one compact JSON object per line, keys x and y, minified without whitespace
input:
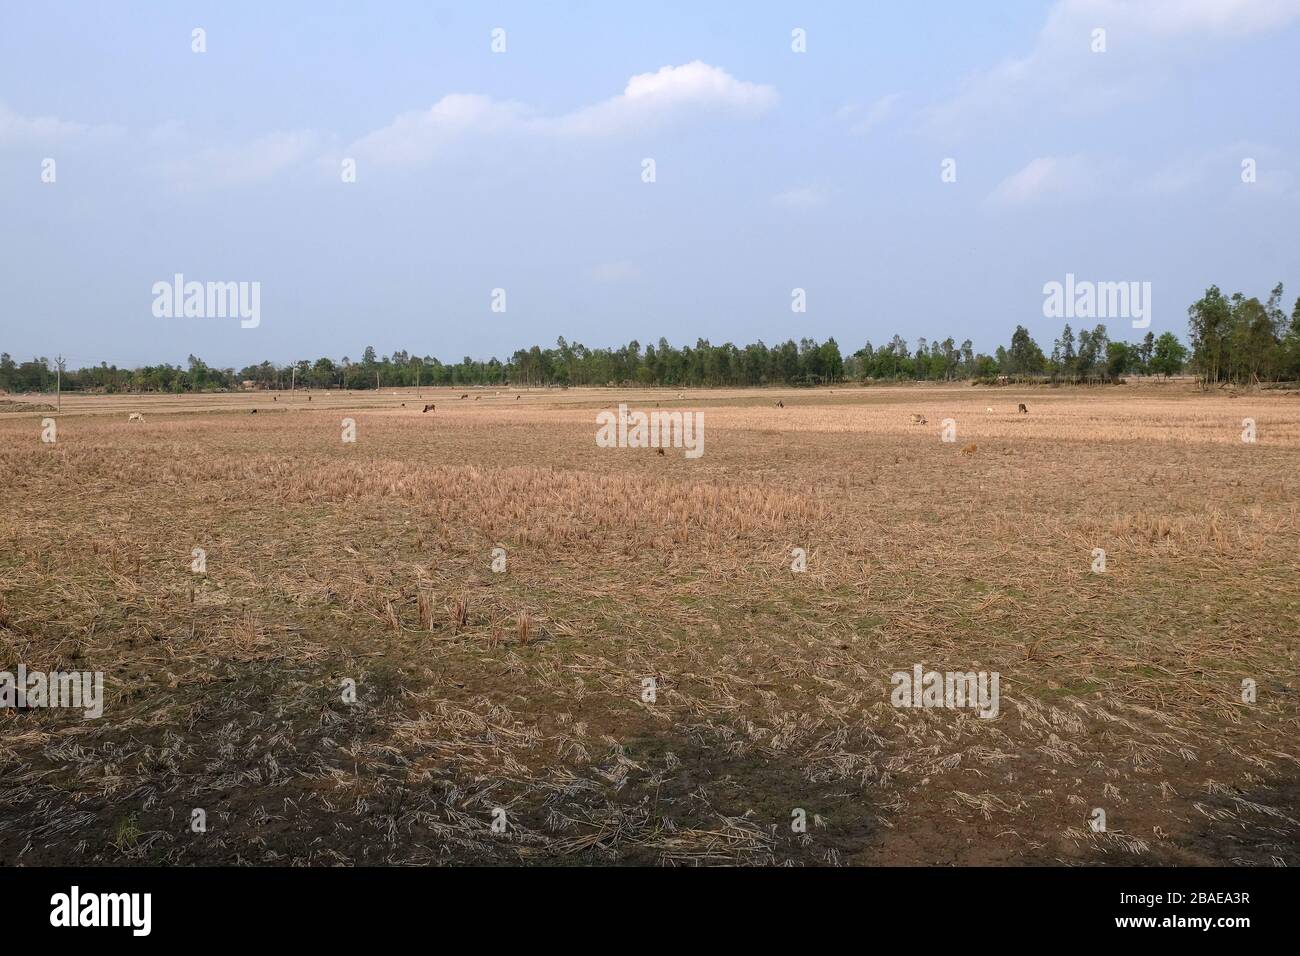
{"x":293,"y":380}
{"x":59,"y":361}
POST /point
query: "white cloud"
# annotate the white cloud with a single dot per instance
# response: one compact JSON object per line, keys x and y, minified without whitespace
{"x":418,"y":136}
{"x":1146,"y":42}
{"x":239,"y":165}
{"x":1216,"y":172}
{"x":1215,"y":17}
{"x":1044,"y":177}
{"x":1219,"y":171}
{"x":804,"y":197}
{"x":673,"y":91}
{"x":864,"y":121}
{"x":19,"y":130}
{"x":649,"y":100}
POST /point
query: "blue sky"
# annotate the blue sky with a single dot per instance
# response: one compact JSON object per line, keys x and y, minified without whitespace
{"x":522,"y":170}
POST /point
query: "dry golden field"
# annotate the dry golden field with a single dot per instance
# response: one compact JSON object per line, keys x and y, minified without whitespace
{"x":522,"y":691}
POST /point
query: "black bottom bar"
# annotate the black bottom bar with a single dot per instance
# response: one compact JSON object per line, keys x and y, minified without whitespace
{"x":337,"y":905}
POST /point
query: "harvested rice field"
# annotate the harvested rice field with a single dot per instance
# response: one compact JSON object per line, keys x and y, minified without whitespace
{"x":475,"y":636}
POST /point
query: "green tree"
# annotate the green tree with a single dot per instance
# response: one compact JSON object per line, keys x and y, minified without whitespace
{"x":1025,"y":357}
{"x":1209,"y":321}
{"x":1168,"y":356}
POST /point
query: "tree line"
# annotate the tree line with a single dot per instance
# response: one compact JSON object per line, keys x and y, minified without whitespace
{"x":1232,"y":339}
{"x":1244,"y":341}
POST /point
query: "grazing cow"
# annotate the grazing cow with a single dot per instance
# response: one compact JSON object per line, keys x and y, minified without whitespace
{"x":969,"y":449}
{"x":780,"y":404}
{"x":989,"y":409}
{"x":517,"y":397}
{"x":253,"y":412}
{"x":135,"y":417}
{"x":1022,"y":409}
{"x":427,"y":408}
{"x":466,"y":395}
{"x":660,"y":450}
{"x":275,"y":398}
{"x":918,"y":420}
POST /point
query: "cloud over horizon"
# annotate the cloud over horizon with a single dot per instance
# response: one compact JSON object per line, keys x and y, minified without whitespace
{"x":1146,"y":43}
{"x":649,"y":100}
